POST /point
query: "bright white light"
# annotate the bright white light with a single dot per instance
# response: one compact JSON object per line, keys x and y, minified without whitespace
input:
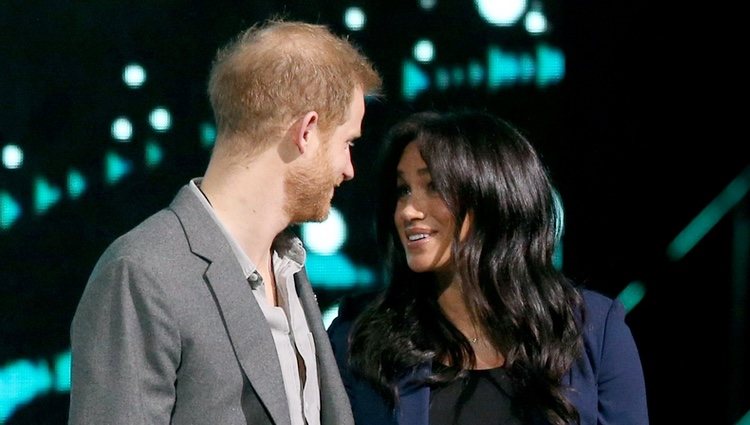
{"x":501,"y":12}
{"x":535,"y":22}
{"x":424,"y":51}
{"x":160,"y":119}
{"x":134,"y":75}
{"x":12,"y":157}
{"x":427,"y":4}
{"x":354,"y":18}
{"x":330,"y":314}
{"x":122,"y":129}
{"x":327,"y":237}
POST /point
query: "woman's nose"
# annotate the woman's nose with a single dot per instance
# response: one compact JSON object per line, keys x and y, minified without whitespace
{"x":411,"y":211}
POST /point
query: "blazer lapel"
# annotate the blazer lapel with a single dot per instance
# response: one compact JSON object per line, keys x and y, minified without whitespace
{"x":334,"y":402}
{"x":414,"y":402}
{"x":245,"y":323}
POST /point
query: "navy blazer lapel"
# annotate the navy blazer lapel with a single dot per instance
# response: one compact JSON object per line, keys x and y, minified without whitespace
{"x":414,"y":400}
{"x":244,"y":320}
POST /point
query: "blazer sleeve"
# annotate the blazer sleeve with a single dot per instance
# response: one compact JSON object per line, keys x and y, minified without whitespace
{"x":125,"y":349}
{"x":620,"y":380}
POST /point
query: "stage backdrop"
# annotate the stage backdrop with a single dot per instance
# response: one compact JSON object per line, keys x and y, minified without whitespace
{"x":104,"y":116}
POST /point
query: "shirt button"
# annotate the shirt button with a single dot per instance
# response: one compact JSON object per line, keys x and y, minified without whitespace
{"x":254,"y":280}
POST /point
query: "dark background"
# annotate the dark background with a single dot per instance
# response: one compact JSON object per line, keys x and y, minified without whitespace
{"x":638,"y":137}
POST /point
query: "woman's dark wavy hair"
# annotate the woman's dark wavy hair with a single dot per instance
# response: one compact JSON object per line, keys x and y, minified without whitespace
{"x":483,"y":168}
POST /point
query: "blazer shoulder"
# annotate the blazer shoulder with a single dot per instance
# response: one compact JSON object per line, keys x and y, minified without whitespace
{"x":350,"y":308}
{"x":605,"y":330}
{"x":599,"y":308}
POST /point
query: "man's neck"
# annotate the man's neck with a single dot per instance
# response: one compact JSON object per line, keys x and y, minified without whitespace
{"x":248,"y":201}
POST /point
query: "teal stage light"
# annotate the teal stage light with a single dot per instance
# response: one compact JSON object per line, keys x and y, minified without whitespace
{"x":76,"y":183}
{"x":160,"y":119}
{"x":207,"y":135}
{"x":45,"y":195}
{"x":10,"y":210}
{"x":501,"y":13}
{"x":122,"y":129}
{"x":115,"y":167}
{"x":12,"y":157}
{"x":134,"y":76}
{"x":354,"y":18}
{"x":153,"y":154}
{"x":21,"y":381}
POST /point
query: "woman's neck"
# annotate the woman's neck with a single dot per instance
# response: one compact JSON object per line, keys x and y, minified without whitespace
{"x":455,"y":309}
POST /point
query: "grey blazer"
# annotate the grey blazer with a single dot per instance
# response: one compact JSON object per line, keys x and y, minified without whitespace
{"x":168,"y":332}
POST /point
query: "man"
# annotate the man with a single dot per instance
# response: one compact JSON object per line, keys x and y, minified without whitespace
{"x":203,"y":313}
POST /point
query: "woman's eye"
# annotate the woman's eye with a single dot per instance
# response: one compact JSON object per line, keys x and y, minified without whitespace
{"x":402,"y":190}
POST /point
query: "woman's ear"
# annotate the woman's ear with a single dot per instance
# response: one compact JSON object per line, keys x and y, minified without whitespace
{"x":308,"y":124}
{"x":467,"y":224}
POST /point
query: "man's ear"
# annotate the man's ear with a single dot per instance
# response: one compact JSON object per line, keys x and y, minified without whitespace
{"x":307,"y":125}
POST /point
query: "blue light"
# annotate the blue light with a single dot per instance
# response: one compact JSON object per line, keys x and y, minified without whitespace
{"x":458,"y":76}
{"x":76,"y":184}
{"x":727,"y":199}
{"x":442,"y":78}
{"x":476,"y":73}
{"x":12,"y":157}
{"x":500,"y":13}
{"x":427,"y":4}
{"x":413,"y":80}
{"x":535,"y":22}
{"x":208,"y":135}
{"x":45,"y":195}
{"x":550,"y":65}
{"x":327,"y":237}
{"x":632,"y":295}
{"x":526,"y":67}
{"x":115,"y":167}
{"x":122,"y":129}
{"x":134,"y":75}
{"x":62,"y":371}
{"x":424,"y":51}
{"x":502,"y":68}
{"x":336,"y":272}
{"x":20,"y":382}
{"x":160,"y":119}
{"x":154,"y":154}
{"x":557,"y":255}
{"x":10,"y":210}
{"x":354,"y":18}
{"x":329,"y":314}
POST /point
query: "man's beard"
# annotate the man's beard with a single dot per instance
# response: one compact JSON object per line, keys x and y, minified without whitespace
{"x":308,"y":191}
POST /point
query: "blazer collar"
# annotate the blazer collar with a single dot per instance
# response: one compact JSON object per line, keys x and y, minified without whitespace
{"x":414,"y":399}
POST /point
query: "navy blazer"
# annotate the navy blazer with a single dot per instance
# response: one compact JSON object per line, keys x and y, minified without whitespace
{"x":606,"y":384}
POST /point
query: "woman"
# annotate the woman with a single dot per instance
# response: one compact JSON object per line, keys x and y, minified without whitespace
{"x":476,"y":325}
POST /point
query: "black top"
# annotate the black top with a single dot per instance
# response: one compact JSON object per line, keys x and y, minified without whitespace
{"x":480,"y":397}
